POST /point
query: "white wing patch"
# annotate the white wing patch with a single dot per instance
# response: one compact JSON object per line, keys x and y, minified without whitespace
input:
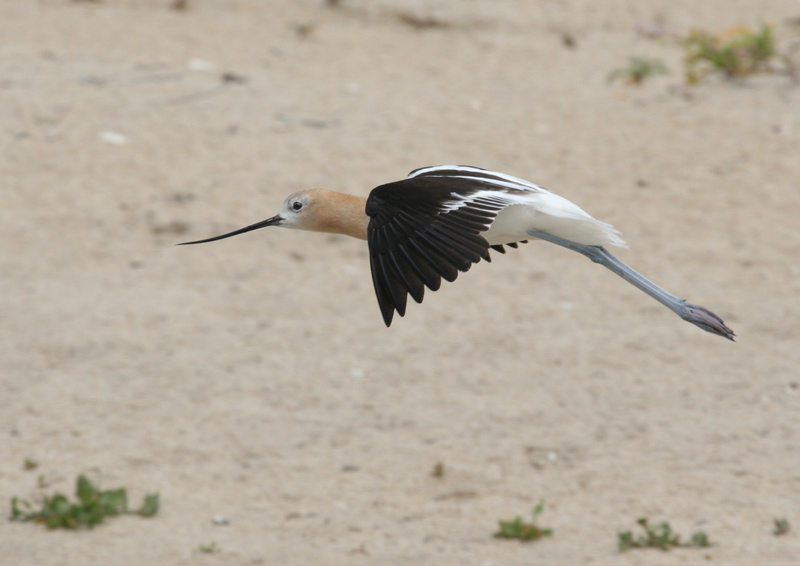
{"x":522,"y":206}
{"x":477,"y":174}
{"x":486,"y":200}
{"x":506,"y":183}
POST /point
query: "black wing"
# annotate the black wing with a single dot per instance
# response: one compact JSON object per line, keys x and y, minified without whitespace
{"x":423,"y":229}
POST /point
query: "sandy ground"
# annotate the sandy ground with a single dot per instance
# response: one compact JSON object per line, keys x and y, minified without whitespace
{"x":253,"y":378}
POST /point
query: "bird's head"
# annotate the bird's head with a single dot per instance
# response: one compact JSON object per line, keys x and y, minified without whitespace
{"x":301,"y":210}
{"x":318,"y":210}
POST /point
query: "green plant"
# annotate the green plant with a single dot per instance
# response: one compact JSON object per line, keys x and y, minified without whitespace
{"x":781,"y":527}
{"x":524,"y":531}
{"x":736,"y":52}
{"x":638,"y":70}
{"x":659,"y":536}
{"x":209,"y":548}
{"x":91,"y":508}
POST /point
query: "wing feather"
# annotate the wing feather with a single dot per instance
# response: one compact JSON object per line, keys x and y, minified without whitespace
{"x":426,"y":228}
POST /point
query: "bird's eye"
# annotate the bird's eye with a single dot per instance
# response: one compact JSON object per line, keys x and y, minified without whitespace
{"x":297,"y":205}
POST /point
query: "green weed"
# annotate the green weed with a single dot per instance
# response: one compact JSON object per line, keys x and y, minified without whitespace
{"x":659,"y":536}
{"x":638,"y":70}
{"x":736,"y":52}
{"x":524,"y":531}
{"x":781,"y":527}
{"x":209,"y":548}
{"x":93,"y":505}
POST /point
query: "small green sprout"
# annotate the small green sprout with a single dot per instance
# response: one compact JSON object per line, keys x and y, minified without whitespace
{"x":638,"y":70}
{"x":659,"y":536}
{"x":91,"y":508}
{"x":209,"y":548}
{"x":524,"y":531}
{"x":149,"y":506}
{"x":781,"y":527}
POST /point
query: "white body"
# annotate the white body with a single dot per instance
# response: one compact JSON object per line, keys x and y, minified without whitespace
{"x":548,"y":212}
{"x":525,"y":206}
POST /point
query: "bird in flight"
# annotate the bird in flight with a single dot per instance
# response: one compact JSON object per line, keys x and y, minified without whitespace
{"x":440,"y":220}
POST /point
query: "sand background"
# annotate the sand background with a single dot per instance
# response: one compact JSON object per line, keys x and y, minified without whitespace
{"x":253,"y":378}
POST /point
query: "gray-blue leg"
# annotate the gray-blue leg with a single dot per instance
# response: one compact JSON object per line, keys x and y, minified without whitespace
{"x":697,"y":315}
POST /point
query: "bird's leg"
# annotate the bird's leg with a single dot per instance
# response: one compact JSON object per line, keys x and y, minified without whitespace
{"x":695,"y":314}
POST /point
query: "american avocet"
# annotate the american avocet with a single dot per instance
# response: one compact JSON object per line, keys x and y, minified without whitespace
{"x":440,"y":220}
